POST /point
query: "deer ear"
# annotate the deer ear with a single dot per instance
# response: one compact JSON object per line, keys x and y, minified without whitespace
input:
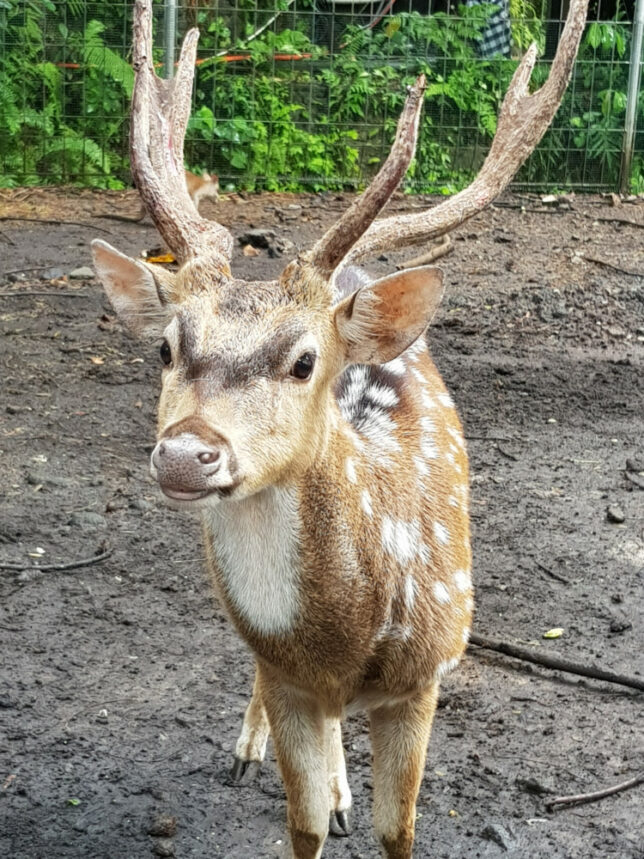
{"x":140,"y":294}
{"x":381,"y":320}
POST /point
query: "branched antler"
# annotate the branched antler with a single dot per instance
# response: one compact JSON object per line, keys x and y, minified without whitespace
{"x":328,"y":252}
{"x":160,"y":113}
{"x":523,"y":120}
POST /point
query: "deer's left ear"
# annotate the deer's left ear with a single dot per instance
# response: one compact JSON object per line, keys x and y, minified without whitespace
{"x":381,"y":320}
{"x":140,"y":293}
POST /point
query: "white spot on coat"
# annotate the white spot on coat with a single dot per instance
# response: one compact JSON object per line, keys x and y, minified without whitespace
{"x":397,"y":366}
{"x":446,"y":401}
{"x":411,"y":588}
{"x":365,"y":500}
{"x":462,"y":581}
{"x":445,"y":667}
{"x":441,"y":533}
{"x":351,"y":470}
{"x":441,"y":593}
{"x":402,"y":540}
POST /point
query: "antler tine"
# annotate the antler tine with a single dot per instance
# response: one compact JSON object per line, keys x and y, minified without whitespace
{"x":328,"y":252}
{"x":160,"y":114}
{"x":523,"y":120}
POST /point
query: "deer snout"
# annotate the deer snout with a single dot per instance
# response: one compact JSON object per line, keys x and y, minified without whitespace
{"x":187,"y":468}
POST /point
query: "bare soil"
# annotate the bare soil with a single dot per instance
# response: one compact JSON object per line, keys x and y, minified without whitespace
{"x":123,"y":685}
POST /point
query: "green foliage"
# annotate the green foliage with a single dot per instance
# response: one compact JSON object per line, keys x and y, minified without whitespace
{"x":324,"y":119}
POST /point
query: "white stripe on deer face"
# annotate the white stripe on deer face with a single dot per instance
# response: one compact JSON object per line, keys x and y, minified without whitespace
{"x":256,"y":544}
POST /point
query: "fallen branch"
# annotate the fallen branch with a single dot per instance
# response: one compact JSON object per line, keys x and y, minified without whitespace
{"x":51,"y":568}
{"x":439,"y":250}
{"x":552,"y":574}
{"x":555,"y":662}
{"x":607,"y":264}
{"x":11,"y":293}
{"x":128,"y":219}
{"x":52,"y":221}
{"x":560,"y":801}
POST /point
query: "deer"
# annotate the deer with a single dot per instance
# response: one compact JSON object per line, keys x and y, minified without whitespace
{"x":303,"y":420}
{"x":199,"y":187}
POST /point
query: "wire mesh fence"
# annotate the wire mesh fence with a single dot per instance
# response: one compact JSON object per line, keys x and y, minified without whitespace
{"x":305,"y":94}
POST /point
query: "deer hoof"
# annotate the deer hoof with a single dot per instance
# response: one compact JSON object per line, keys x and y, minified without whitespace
{"x":243,"y":772}
{"x":339,"y":824}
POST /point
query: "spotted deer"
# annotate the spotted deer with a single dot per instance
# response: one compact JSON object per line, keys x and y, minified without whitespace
{"x":304,"y":420}
{"x":203,"y":187}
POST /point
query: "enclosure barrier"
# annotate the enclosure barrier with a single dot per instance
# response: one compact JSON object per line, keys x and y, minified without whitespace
{"x":304,"y":94}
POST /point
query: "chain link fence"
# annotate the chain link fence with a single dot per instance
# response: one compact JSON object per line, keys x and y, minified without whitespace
{"x":305,"y":94}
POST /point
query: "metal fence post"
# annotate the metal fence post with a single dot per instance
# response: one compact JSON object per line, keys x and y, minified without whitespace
{"x":632,"y":96}
{"x":169,"y":36}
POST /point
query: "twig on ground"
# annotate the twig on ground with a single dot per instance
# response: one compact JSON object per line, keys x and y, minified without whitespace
{"x":615,"y":221}
{"x":7,"y":238}
{"x":51,"y":568}
{"x":560,"y":801}
{"x":552,"y":574}
{"x":45,"y":293}
{"x":128,"y":219}
{"x":555,"y":662}
{"x":439,"y":250}
{"x":506,"y":453}
{"x":53,"y":221}
{"x":607,"y":264}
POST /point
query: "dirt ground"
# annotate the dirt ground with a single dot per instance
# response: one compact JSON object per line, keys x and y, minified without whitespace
{"x":123,"y":685}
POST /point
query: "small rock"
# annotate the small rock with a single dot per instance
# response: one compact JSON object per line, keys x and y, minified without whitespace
{"x":142,"y":504}
{"x":163,"y":847}
{"x":499,"y":834}
{"x":258,"y":238}
{"x":163,"y":826}
{"x":16,"y":277}
{"x":83,"y":272}
{"x":533,"y":785}
{"x":51,"y":274}
{"x":635,"y":465}
{"x":102,"y":717}
{"x":250,"y":251}
{"x":88,"y":519}
{"x":617,"y":598}
{"x":620,"y":624}
{"x":614,"y":513}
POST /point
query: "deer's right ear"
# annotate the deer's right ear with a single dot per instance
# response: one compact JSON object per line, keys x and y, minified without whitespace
{"x":140,"y":295}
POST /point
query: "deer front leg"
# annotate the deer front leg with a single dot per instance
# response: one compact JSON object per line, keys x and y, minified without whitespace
{"x":251,"y":745}
{"x":339,"y":793}
{"x":399,"y":737}
{"x":298,"y":726}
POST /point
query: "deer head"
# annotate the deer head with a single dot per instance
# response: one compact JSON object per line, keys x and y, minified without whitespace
{"x":249,"y":368}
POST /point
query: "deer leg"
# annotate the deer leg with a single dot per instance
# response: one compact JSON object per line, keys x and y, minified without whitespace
{"x":339,"y":793}
{"x":299,"y":730}
{"x":399,"y":737}
{"x":251,"y":745}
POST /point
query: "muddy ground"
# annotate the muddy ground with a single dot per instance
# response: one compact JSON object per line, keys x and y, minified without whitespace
{"x":123,"y":685}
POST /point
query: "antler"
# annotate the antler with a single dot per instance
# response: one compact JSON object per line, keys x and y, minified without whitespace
{"x":328,"y":252}
{"x":523,"y":120}
{"x":160,"y":113}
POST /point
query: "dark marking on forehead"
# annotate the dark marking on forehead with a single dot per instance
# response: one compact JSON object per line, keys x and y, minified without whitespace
{"x":227,"y":369}
{"x":251,"y":299}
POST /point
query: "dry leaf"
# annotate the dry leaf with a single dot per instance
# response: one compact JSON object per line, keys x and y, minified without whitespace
{"x":95,"y":359}
{"x":162,"y":258}
{"x":250,"y":251}
{"x":555,"y":632}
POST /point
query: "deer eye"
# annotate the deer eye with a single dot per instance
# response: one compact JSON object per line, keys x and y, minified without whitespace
{"x":166,"y":353}
{"x":303,"y":367}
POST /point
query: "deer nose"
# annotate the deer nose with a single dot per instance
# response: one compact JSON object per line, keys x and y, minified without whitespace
{"x":186,"y":464}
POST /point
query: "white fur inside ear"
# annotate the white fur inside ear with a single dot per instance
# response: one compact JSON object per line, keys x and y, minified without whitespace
{"x":379,"y":321}
{"x":131,"y":287}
